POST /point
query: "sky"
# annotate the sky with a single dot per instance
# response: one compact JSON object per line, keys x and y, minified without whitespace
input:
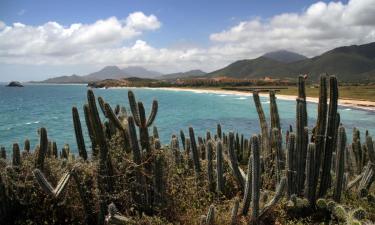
{"x":41,"y":39}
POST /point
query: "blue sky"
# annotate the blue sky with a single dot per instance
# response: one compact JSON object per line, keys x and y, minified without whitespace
{"x":40,"y":38}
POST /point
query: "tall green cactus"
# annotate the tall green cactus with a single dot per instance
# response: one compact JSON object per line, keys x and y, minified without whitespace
{"x":78,"y":132}
{"x":105,"y":171}
{"x":300,"y":146}
{"x":3,"y":153}
{"x":291,"y":165}
{"x":263,"y":124}
{"x":218,"y":131}
{"x":275,"y":119}
{"x":219,"y":167}
{"x":27,"y":145}
{"x":90,"y":128}
{"x":194,"y":150}
{"x":175,"y":150}
{"x":276,"y":145}
{"x":248,"y":188}
{"x":331,"y":133}
{"x":158,"y":179}
{"x":321,"y":124}
{"x":41,"y":154}
{"x":255,"y":177}
{"x":121,"y":125}
{"x":210,"y":166}
{"x":16,"y":155}
{"x":340,"y":163}
{"x":310,"y":174}
{"x":234,"y":162}
{"x":182,"y":135}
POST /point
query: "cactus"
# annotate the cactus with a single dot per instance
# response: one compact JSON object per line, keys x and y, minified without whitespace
{"x":255,"y":177}
{"x":155,"y":132}
{"x":47,"y":187}
{"x":331,"y":133}
{"x":210,"y":166}
{"x":291,"y":165}
{"x":175,"y":150}
{"x":182,"y":135}
{"x":301,"y":147}
{"x":54,"y":150}
{"x":3,"y":153}
{"x":233,"y":217}
{"x":78,"y":132}
{"x":119,"y":124}
{"x":39,"y":163}
{"x":320,"y":129}
{"x":263,"y":123}
{"x":340,"y":162}
{"x":278,"y":195}
{"x":218,"y":131}
{"x":90,"y":128}
{"x":194,"y":150}
{"x":219,"y":167}
{"x":16,"y":155}
{"x":310,"y":174}
{"x":276,"y":145}
{"x":27,"y":145}
{"x":105,"y":171}
{"x":158,"y":179}
{"x":248,"y":188}
{"x":234,"y":162}
{"x":210,"y":219}
{"x":202,"y":148}
{"x":275,"y":119}
{"x":370,"y":148}
{"x":359,"y":213}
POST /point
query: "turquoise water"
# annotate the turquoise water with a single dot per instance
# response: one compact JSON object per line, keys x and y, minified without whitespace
{"x":24,"y":110}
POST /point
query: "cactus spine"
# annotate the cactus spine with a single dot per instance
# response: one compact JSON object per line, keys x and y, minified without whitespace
{"x":331,"y":133}
{"x":78,"y":132}
{"x":340,"y":163}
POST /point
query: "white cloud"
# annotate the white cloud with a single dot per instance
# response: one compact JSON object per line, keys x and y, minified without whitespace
{"x":320,"y":27}
{"x":53,"y":39}
{"x":138,"y":20}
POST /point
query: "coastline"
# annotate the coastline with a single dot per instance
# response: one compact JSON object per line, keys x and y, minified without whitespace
{"x":356,"y":104}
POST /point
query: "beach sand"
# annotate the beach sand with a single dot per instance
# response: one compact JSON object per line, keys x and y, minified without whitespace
{"x":358,"y":104}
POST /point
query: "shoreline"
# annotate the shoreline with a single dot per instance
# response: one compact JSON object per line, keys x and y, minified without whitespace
{"x":356,"y":104}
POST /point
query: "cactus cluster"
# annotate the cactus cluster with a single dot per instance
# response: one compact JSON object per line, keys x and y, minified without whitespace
{"x":131,"y":176}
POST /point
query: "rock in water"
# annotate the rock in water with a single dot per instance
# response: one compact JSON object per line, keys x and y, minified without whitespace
{"x":14,"y":84}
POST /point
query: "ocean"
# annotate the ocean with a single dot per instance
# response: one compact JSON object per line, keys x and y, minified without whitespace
{"x":24,"y":110}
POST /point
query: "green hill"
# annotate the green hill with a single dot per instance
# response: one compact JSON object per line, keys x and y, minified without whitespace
{"x":350,"y":64}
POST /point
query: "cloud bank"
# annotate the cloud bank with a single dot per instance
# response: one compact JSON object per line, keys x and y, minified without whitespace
{"x":112,"y":41}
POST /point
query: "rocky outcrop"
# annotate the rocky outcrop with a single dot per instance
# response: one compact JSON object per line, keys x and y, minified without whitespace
{"x":14,"y":84}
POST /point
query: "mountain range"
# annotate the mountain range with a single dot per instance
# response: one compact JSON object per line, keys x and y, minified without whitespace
{"x":108,"y":72}
{"x":349,"y":63}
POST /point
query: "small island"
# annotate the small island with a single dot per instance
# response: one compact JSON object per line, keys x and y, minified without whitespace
{"x":14,"y":84}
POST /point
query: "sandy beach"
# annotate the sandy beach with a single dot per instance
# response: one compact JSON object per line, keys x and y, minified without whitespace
{"x":358,"y":104}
